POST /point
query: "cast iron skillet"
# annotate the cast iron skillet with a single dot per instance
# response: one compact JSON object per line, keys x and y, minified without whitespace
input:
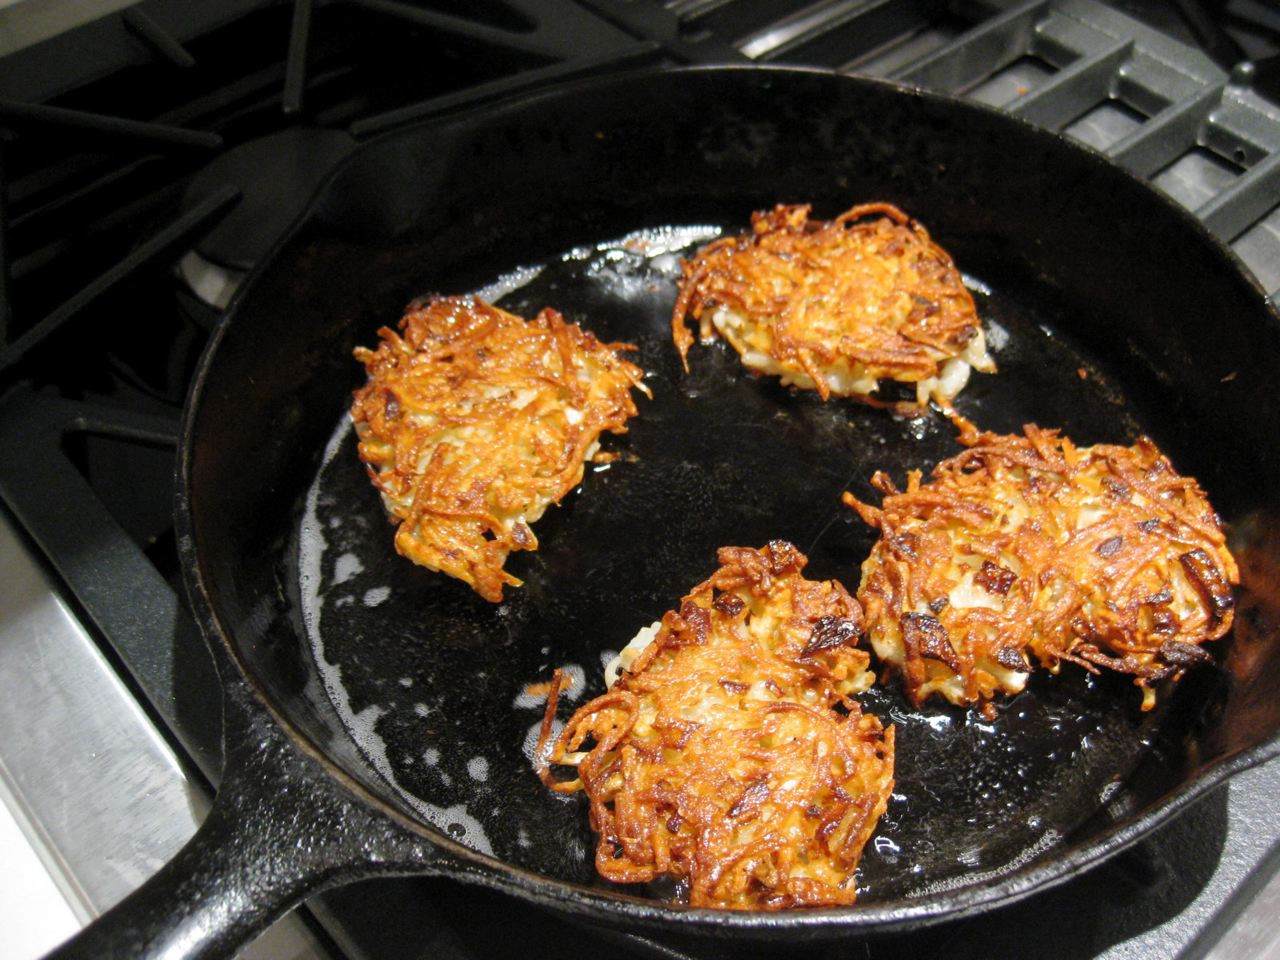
{"x":374,"y":710}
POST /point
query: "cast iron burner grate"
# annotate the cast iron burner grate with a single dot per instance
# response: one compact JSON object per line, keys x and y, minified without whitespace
{"x":121,"y":153}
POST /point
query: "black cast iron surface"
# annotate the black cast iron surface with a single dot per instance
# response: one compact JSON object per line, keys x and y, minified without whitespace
{"x":1089,"y":271}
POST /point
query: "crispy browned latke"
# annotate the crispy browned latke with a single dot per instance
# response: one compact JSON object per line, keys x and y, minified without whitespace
{"x":837,"y":305}
{"x":731,"y":756}
{"x":474,"y":421}
{"x":1028,"y":549}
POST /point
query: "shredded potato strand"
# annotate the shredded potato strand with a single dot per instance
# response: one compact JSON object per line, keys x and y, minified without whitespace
{"x":835,"y":305}
{"x":474,"y":421}
{"x":731,"y":756}
{"x":1028,"y":549}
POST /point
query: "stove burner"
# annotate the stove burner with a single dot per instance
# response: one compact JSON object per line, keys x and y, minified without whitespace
{"x":276,"y":176}
{"x":212,"y":284}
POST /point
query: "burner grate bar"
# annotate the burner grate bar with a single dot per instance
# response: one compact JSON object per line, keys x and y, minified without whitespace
{"x":643,"y":21}
{"x":154,"y":36}
{"x":156,"y":134}
{"x":6,"y":303}
{"x":1166,"y":135}
{"x":1060,"y":39}
{"x":978,"y":52}
{"x":60,"y":201}
{"x":846,"y":34}
{"x":644,"y":51}
{"x":1244,"y":126}
{"x":295,"y":71}
{"x":803,"y":26}
{"x":99,"y":226}
{"x":535,"y":43}
{"x":1231,"y":212}
{"x":1074,"y":89}
{"x":177,"y":234}
{"x":695,"y":9}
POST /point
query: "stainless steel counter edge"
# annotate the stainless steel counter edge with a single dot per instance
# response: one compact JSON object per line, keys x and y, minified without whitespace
{"x":101,"y":796}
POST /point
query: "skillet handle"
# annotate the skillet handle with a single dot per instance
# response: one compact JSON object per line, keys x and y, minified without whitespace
{"x":281,"y":829}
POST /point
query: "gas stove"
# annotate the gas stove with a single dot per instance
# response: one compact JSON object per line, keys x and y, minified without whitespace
{"x":150,"y":157}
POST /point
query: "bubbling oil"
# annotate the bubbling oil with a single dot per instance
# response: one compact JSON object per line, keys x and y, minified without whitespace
{"x":456,"y":821}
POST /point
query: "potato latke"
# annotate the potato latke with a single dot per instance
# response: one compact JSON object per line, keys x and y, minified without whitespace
{"x":473,"y":421}
{"x":838,"y":305}
{"x":1028,"y":549}
{"x":731,"y":756}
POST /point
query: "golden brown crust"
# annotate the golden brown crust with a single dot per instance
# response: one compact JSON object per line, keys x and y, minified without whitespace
{"x":473,"y":421}
{"x":834,"y":305}
{"x":1027,"y":546}
{"x":720,"y":758}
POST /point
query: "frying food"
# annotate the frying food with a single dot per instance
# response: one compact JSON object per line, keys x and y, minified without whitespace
{"x":837,"y":306}
{"x":473,"y":421}
{"x":1028,"y":549}
{"x":730,"y":757}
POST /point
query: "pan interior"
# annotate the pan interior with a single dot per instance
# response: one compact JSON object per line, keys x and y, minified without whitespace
{"x":431,"y":679}
{"x":1121,"y":317}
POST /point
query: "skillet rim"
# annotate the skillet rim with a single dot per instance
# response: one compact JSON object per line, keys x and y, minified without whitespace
{"x":603,"y":904}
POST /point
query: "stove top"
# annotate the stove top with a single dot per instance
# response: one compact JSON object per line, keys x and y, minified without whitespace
{"x":150,"y":157}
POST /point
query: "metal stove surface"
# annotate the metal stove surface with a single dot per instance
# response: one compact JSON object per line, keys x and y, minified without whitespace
{"x":108,"y":710}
